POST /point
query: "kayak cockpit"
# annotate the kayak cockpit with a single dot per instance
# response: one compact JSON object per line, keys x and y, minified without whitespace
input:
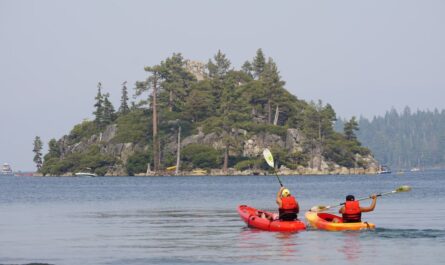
{"x":330,"y":217}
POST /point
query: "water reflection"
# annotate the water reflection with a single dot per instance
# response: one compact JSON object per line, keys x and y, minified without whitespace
{"x":289,"y":245}
{"x":258,"y":245}
{"x":351,"y":247}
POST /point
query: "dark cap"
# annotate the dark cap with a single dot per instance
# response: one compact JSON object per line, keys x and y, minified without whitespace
{"x":350,"y":198}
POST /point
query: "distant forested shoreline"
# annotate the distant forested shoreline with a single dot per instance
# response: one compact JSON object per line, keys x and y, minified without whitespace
{"x":405,"y":140}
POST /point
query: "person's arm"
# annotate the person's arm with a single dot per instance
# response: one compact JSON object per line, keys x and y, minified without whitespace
{"x":279,"y":202}
{"x":342,"y":210}
{"x":371,"y":207}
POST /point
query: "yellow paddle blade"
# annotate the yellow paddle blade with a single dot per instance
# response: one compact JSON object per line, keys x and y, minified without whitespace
{"x":268,"y":157}
{"x":403,"y":188}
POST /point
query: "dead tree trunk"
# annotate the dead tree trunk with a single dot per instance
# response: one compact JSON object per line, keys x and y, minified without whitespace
{"x":178,"y":154}
{"x":277,"y":113}
{"x":156,"y":159}
{"x":226,"y":159}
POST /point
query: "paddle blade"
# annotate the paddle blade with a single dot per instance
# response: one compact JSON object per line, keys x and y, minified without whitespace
{"x":268,"y":157}
{"x":403,"y":188}
{"x":319,"y":208}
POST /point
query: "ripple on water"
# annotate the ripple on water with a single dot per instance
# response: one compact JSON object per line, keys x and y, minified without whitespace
{"x":410,"y":233}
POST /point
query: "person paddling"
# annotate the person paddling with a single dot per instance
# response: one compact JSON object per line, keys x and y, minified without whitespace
{"x":287,"y":205}
{"x":352,"y":212}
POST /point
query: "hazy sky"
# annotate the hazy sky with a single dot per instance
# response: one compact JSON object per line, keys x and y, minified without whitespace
{"x":363,"y":57}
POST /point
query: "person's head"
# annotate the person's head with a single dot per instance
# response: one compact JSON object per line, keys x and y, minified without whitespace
{"x":350,"y":198}
{"x":285,"y":193}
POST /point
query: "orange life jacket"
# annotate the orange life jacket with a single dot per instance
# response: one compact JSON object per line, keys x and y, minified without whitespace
{"x":289,"y":208}
{"x":352,"y":212}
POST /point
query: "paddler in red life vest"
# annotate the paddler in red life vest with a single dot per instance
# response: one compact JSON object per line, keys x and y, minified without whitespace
{"x":287,"y":205}
{"x":352,"y":212}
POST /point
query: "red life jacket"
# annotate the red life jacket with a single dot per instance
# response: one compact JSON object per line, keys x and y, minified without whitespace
{"x":352,"y":212}
{"x":289,"y":208}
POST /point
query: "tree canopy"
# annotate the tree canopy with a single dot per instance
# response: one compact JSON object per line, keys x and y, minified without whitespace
{"x":225,"y":102}
{"x":402,"y":140}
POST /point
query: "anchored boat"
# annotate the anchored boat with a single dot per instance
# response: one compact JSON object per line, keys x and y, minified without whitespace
{"x":6,"y":170}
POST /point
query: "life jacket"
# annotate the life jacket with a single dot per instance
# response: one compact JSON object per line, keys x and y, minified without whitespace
{"x":289,"y":208}
{"x":352,"y":212}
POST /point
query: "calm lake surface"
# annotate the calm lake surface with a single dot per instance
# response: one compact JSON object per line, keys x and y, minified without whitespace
{"x":193,"y":220}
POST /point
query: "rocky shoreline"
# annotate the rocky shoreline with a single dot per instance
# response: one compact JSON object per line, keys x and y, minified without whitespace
{"x":233,"y":172}
{"x":252,"y":146}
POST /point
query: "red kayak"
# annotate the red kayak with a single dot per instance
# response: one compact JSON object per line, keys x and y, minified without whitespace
{"x":268,"y":221}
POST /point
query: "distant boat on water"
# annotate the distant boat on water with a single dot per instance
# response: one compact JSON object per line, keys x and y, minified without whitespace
{"x":85,"y":174}
{"x":384,"y":170}
{"x":6,"y":170}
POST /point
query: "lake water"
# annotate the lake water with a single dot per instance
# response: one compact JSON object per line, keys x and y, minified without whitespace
{"x":193,"y":220}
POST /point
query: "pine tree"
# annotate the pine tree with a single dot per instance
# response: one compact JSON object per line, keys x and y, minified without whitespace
{"x":175,"y":82}
{"x":99,"y":106}
{"x":123,"y":108}
{"x":153,"y":83}
{"x":198,"y":104}
{"x":220,"y":67}
{"x":108,"y":110}
{"x":233,"y":109}
{"x":350,"y":128}
{"x":270,"y":76}
{"x":218,"y":70}
{"x":258,"y":64}
{"x":53,"y":149}
{"x":38,"y":145}
{"x":247,"y":68}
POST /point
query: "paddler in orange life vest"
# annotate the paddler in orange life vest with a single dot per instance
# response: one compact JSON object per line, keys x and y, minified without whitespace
{"x":287,"y":205}
{"x":352,"y":212}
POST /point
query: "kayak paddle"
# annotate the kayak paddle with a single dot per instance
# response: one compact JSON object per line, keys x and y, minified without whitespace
{"x":320,"y":208}
{"x":269,"y":159}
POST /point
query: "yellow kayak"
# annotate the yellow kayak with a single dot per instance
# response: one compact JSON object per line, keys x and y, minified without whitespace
{"x":331,"y":222}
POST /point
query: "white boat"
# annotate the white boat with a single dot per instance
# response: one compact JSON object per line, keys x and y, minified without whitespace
{"x":6,"y":170}
{"x":384,"y":170}
{"x":85,"y":174}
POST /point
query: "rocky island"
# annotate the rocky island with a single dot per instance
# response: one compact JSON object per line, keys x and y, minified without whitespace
{"x":222,"y":119}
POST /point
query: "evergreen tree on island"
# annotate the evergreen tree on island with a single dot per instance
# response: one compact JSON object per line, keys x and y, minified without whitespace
{"x":108,"y":111}
{"x":123,"y":108}
{"x":38,"y":145}
{"x":350,"y":128}
{"x":99,"y":105}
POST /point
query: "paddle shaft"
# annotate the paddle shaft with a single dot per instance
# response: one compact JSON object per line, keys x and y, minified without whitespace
{"x":269,"y":159}
{"x":279,"y":180}
{"x":364,"y":198}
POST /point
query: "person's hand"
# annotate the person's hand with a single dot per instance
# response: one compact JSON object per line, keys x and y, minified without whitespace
{"x":373,"y":196}
{"x":282,"y":188}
